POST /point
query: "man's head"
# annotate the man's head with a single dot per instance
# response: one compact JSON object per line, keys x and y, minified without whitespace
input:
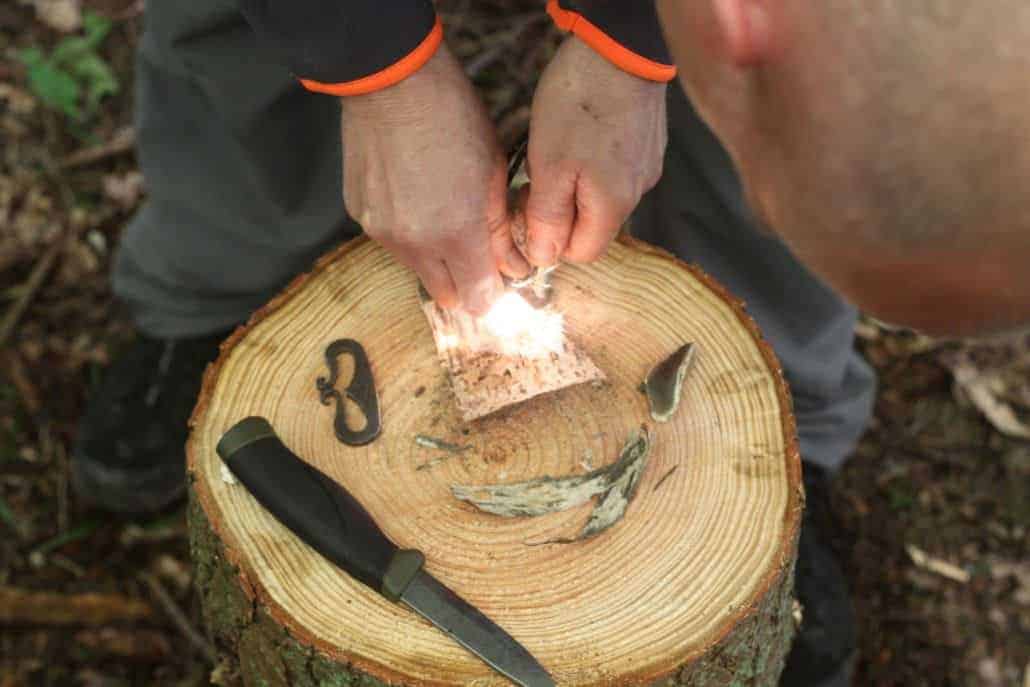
{"x":887,"y":141}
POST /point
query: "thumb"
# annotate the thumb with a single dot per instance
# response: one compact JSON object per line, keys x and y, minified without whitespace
{"x":550,"y":214}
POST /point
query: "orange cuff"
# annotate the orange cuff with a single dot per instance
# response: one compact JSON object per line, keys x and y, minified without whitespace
{"x":395,"y":73}
{"x":622,"y":57}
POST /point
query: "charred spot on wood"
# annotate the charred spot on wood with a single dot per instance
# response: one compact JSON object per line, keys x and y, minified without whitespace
{"x":664,"y":382}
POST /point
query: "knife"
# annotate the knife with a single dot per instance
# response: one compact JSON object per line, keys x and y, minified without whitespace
{"x":329,"y":519}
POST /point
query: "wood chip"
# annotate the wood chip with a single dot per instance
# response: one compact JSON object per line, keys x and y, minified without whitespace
{"x":439,"y":444}
{"x":664,"y":383}
{"x":936,"y":565}
{"x":227,"y":476}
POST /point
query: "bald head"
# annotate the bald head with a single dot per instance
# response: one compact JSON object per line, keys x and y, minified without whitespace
{"x":888,"y":141}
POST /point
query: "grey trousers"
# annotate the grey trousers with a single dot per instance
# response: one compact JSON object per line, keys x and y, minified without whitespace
{"x":243,"y":176}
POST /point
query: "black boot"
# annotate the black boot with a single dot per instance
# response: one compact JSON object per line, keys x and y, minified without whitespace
{"x":129,"y":455}
{"x":824,"y":650}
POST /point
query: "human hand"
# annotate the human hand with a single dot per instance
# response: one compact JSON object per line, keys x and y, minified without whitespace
{"x":424,"y":176}
{"x":597,"y":139}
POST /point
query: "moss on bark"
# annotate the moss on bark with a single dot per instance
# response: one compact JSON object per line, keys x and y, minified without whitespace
{"x":257,"y":649}
{"x":263,"y":654}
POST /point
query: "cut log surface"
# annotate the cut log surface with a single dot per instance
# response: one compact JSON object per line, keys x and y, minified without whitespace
{"x":691,"y":587}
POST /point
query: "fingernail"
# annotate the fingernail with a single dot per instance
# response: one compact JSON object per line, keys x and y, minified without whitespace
{"x":542,"y":253}
{"x":515,"y":263}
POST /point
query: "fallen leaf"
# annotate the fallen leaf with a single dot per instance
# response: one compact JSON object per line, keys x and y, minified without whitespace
{"x":63,"y":15}
{"x":124,"y":189}
{"x":990,"y":671}
{"x":175,"y":571}
{"x":995,"y":377}
{"x":16,"y":100}
{"x":78,"y":261}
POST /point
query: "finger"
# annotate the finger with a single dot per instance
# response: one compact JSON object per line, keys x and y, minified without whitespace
{"x":507,"y":256}
{"x":437,"y":279}
{"x":601,"y":212}
{"x":475,"y":276}
{"x":550,"y":213}
{"x":506,"y":253}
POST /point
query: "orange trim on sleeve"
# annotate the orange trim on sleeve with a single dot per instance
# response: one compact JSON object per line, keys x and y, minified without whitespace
{"x":396,"y":72}
{"x":616,"y":53}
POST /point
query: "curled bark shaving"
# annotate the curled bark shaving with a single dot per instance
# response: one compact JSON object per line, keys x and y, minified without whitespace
{"x":664,"y":383}
{"x":617,"y":482}
{"x":624,"y":486}
{"x":535,"y":497}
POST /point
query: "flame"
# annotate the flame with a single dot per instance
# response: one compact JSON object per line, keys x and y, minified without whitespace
{"x":523,"y":330}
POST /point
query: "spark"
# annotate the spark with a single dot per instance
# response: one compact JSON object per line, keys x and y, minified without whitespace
{"x":521,"y":329}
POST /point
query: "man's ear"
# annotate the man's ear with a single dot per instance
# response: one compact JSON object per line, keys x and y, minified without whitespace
{"x":746,"y":29}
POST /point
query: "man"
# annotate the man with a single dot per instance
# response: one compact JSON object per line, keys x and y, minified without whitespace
{"x":243,"y":167}
{"x":886,"y":142}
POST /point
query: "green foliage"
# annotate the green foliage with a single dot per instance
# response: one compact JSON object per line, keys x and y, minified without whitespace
{"x":74,"y":77}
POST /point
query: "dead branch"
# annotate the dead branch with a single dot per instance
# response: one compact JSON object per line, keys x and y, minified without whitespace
{"x":26,"y":607}
{"x":178,"y":618}
{"x":123,"y":141}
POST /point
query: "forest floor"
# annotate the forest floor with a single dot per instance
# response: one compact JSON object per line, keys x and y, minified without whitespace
{"x":933,"y":510}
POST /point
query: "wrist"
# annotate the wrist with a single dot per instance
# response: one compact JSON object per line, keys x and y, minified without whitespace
{"x":589,"y":66}
{"x":406,"y":101}
{"x":624,"y":52}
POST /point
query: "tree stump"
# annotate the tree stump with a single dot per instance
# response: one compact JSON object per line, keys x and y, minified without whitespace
{"x":692,"y":587}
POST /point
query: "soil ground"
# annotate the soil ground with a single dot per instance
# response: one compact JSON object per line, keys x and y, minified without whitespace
{"x":933,"y":510}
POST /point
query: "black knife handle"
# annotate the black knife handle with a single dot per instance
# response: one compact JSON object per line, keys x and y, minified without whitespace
{"x":315,"y":508}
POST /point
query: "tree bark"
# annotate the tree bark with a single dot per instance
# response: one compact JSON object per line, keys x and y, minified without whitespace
{"x":693,"y":586}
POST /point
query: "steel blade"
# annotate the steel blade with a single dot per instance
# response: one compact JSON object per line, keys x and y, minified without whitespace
{"x":474,"y":631}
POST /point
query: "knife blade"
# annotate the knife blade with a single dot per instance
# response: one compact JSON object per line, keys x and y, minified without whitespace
{"x":330,"y":520}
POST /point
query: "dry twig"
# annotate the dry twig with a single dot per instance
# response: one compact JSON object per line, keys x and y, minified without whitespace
{"x":175,"y":614}
{"x":25,"y":607}
{"x":936,"y":565}
{"x":29,"y":290}
{"x":123,"y":141}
